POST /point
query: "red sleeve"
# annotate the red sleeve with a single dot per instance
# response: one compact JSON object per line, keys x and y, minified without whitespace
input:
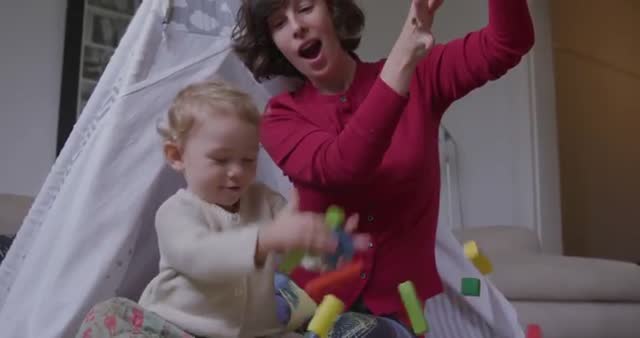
{"x":454,"y":69}
{"x":310,"y":154}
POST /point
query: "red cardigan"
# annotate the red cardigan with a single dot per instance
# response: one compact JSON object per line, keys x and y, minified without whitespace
{"x":375,"y":152}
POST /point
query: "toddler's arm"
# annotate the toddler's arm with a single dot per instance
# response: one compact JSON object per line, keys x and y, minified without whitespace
{"x":188,"y":245}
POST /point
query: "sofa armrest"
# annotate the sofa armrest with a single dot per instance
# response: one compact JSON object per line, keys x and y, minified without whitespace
{"x":13,"y":210}
{"x":496,"y":240}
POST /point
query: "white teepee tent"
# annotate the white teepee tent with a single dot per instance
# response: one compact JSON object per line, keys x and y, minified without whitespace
{"x":89,"y":235}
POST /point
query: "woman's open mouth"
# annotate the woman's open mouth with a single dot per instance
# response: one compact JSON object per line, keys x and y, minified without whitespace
{"x":310,"y":49}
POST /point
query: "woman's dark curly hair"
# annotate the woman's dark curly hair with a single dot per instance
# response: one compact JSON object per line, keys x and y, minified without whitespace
{"x":253,"y":43}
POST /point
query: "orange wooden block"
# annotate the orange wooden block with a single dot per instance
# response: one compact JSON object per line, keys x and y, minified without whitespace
{"x":320,"y":286}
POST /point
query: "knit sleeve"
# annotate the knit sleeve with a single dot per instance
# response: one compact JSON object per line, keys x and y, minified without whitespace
{"x":187,"y":244}
{"x":452,"y":70}
{"x":309,"y":154}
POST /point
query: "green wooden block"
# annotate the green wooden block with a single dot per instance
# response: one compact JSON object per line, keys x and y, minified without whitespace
{"x":291,"y":261}
{"x":414,"y":308}
{"x":334,"y":217}
{"x":471,"y":287}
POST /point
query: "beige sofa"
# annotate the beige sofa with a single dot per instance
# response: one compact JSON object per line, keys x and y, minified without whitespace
{"x":569,"y":297}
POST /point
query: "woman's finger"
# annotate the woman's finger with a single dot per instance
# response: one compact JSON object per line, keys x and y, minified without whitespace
{"x":424,"y":11}
{"x":418,"y":9}
{"x":352,"y":223}
{"x":361,"y":241}
{"x":434,"y":5}
{"x":420,"y":5}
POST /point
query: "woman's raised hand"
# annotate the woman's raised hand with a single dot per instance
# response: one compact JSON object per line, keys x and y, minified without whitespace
{"x":413,"y":43}
{"x":417,"y":28}
{"x":423,"y":13}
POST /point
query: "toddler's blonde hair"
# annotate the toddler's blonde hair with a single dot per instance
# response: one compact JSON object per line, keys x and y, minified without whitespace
{"x":213,"y":97}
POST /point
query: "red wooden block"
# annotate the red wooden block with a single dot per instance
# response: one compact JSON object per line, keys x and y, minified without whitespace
{"x":534,"y":331}
{"x":322,"y":285}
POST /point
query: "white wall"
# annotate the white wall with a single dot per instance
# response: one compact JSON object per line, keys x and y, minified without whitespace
{"x":506,"y":143}
{"x":31,"y":36}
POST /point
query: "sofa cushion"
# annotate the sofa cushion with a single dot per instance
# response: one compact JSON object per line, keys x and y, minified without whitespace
{"x":497,"y":239}
{"x":581,"y":320}
{"x":562,"y":278}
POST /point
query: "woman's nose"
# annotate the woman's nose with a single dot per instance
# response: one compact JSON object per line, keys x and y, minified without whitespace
{"x":299,"y":29}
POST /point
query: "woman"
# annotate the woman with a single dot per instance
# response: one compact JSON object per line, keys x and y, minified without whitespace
{"x":364,"y":135}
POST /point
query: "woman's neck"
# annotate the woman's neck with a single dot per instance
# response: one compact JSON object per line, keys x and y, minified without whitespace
{"x":339,"y":78}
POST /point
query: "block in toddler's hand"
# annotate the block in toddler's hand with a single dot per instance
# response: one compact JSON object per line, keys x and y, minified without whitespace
{"x":478,"y":259}
{"x":334,"y":217}
{"x":345,"y":249}
{"x":291,"y":261}
{"x":471,"y":287}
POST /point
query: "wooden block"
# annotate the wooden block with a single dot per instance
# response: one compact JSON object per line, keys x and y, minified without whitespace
{"x":479,"y":260}
{"x":471,"y":287}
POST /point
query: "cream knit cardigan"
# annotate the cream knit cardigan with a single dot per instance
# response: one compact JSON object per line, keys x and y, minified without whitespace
{"x":208,"y":283}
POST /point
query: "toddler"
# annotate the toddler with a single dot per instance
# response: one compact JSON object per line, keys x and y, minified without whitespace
{"x":217,"y":236}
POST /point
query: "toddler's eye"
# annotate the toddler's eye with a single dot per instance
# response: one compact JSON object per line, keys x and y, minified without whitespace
{"x":219,"y":160}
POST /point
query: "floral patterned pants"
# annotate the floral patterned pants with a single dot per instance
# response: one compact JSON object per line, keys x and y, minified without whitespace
{"x":123,"y":318}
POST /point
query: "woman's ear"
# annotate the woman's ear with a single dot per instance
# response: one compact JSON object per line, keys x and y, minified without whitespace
{"x":173,"y":154}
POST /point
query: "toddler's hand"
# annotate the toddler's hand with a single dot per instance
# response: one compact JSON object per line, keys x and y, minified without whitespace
{"x":296,"y":230}
{"x":360,"y":240}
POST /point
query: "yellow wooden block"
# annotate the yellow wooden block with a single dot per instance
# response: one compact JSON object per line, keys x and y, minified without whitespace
{"x":481,"y":262}
{"x":471,"y":249}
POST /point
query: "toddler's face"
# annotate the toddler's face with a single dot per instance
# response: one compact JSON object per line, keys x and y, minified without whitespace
{"x":219,"y":158}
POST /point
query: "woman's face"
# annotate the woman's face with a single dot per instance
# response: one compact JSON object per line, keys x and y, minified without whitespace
{"x":304,"y":33}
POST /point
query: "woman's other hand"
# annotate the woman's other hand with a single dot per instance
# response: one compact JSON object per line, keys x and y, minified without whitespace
{"x":413,"y":44}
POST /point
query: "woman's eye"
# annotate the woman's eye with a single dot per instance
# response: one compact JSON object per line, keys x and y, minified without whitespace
{"x":306,"y":8}
{"x":276,"y":23}
{"x":248,"y":160}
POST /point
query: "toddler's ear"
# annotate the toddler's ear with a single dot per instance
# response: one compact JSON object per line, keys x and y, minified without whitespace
{"x":173,"y":155}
